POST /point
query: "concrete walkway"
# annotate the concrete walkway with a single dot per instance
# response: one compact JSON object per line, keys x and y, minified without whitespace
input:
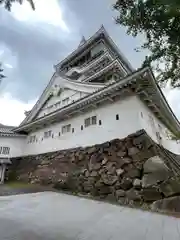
{"x":50,"y":215}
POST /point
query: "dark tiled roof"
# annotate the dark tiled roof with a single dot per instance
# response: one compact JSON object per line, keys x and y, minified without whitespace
{"x":7,"y":130}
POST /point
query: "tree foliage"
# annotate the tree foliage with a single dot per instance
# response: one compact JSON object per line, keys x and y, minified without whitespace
{"x":1,"y":72}
{"x":159,"y":22}
{"x":8,"y":3}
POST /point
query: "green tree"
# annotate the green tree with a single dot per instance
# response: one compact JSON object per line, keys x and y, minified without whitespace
{"x":159,"y":22}
{"x":8,"y":3}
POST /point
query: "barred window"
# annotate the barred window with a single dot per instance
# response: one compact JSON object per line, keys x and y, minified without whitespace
{"x":90,"y":121}
{"x":93,"y":120}
{"x":87,"y":122}
{"x":4,"y":150}
{"x":47,"y":134}
{"x":66,"y":128}
{"x":32,"y":139}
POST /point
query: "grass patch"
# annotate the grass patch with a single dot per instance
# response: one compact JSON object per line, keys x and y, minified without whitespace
{"x":16,"y":184}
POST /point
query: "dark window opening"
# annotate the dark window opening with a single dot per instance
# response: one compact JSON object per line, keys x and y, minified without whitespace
{"x":81,"y":127}
{"x":72,"y":130}
{"x":100,"y":123}
{"x":93,"y":120}
{"x":59,"y":134}
{"x":117,"y":116}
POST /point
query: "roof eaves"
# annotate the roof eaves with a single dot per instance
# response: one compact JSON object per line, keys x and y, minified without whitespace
{"x":121,"y":82}
{"x":164,"y":99}
{"x":80,"y":48}
{"x":38,"y":101}
{"x":121,"y":55}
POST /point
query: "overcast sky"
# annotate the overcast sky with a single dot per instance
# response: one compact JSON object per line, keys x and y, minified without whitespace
{"x":31,"y":42}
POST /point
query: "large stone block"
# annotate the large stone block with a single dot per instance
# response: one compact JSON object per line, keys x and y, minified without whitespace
{"x":91,"y":150}
{"x":137,"y":183}
{"x":170,"y":187}
{"x":94,"y":166}
{"x":119,"y":171}
{"x":111,"y":167}
{"x":99,"y":184}
{"x":150,"y":194}
{"x":123,"y":161}
{"x":155,"y":178}
{"x":120,"y":193}
{"x":126,"y":183}
{"x":171,"y":204}
{"x":87,"y":186}
{"x":155,"y":164}
{"x":93,"y":174}
{"x":143,"y":141}
{"x":132,"y":151}
{"x":103,"y":190}
{"x":109,"y":179}
{"x":142,"y":155}
{"x":133,"y":194}
{"x":121,"y":153}
{"x":132,"y":172}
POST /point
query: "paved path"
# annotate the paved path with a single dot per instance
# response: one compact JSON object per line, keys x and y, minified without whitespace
{"x":6,"y":190}
{"x":49,"y":216}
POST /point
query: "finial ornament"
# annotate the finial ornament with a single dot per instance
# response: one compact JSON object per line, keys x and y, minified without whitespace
{"x":83,"y":41}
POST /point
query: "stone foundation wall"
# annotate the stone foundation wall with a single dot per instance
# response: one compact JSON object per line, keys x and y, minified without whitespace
{"x":128,"y":171}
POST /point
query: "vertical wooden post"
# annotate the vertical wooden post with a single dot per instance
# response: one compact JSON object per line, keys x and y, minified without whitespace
{"x":0,"y":172}
{"x":3,"y":169}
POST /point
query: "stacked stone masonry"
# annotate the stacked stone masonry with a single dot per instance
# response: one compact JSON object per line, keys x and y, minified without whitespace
{"x":127,"y":171}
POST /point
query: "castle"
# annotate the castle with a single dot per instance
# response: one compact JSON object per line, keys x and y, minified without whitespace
{"x":94,"y":96}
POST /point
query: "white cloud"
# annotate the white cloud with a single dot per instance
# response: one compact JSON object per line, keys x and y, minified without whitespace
{"x":12,"y":110}
{"x":1,"y":52}
{"x":7,"y":57}
{"x":7,"y":65}
{"x":173,"y":98}
{"x":47,"y":11}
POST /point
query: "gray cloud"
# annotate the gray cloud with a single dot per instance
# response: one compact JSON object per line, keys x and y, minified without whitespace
{"x":37,"y":47}
{"x":92,"y":14}
{"x":34,"y":49}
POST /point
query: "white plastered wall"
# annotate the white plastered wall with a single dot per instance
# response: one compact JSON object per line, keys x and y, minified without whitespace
{"x":152,"y":127}
{"x":133,"y":116}
{"x":56,"y":102}
{"x":111,"y":128}
{"x":16,"y":145}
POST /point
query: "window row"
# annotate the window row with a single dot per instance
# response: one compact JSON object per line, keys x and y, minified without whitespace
{"x":68,"y":128}
{"x":32,"y":139}
{"x":4,"y":150}
{"x":65,"y":101}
